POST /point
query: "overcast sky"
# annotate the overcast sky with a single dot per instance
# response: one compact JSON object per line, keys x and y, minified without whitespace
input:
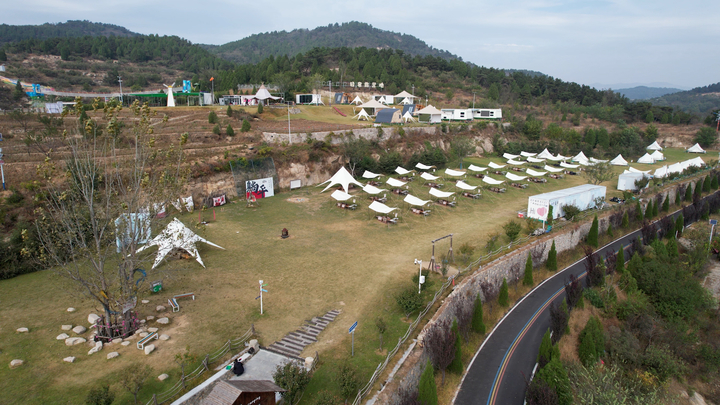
{"x":601,"y":43}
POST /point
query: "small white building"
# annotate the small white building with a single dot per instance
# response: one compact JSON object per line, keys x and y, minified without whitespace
{"x":450,"y":114}
{"x":314,"y":99}
{"x":583,"y":197}
{"x":626,"y":181}
{"x":487,"y":113}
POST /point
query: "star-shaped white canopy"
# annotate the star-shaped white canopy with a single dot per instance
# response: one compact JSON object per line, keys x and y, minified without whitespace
{"x":177,"y":236}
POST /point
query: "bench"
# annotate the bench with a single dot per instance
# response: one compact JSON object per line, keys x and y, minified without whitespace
{"x":471,"y":195}
{"x":517,"y":169}
{"x":378,"y":199}
{"x":141,"y":342}
{"x":386,"y":220}
{"x":399,"y":191}
{"x":518,"y":185}
{"x":347,"y":206}
{"x":173,"y":301}
{"x":445,"y":203}
{"x":434,"y":185}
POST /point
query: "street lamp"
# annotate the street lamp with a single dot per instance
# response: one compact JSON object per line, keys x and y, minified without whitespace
{"x":289,"y":136}
{"x":121,"y":94}
{"x":473,"y":100}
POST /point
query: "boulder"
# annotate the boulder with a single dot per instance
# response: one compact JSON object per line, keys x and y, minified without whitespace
{"x":112,"y":355}
{"x":142,"y":321}
{"x":22,"y":330}
{"x":163,"y":321}
{"x":152,"y":329}
{"x":160,"y":308}
{"x":16,"y":363}
{"x":149,"y":349}
{"x":79,"y":329}
{"x":74,"y":341}
{"x":62,"y":336}
{"x":66,"y":327}
{"x":150,"y":318}
{"x":125,"y":343}
{"x":71,"y":309}
{"x":164,"y":337}
{"x":163,"y":377}
{"x":139,"y":331}
{"x":145,"y":301}
{"x":97,"y":348}
{"x":143,"y":334}
{"x":117,"y":341}
{"x":70,"y":359}
{"x":92,"y":318}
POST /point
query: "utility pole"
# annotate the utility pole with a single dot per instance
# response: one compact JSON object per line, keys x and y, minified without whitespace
{"x":2,"y":171}
{"x":331,"y":95}
{"x":121,"y":94}
{"x":473,"y":100}
{"x":289,"y":136}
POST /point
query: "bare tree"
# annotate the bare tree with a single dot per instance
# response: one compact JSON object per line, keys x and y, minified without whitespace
{"x":464,"y":309}
{"x":599,"y":173}
{"x":100,"y":205}
{"x":440,"y":344}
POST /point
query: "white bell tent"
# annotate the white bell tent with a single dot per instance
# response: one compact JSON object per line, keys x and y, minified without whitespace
{"x":696,"y":149}
{"x":654,"y":146}
{"x":619,"y":161}
{"x":646,"y":159}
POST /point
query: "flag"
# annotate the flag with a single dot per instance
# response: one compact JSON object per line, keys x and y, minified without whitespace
{"x":212,"y":78}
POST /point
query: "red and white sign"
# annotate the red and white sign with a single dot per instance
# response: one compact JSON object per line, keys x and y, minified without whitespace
{"x":218,"y":201}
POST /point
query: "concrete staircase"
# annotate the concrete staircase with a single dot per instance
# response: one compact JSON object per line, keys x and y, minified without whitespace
{"x":295,"y":342}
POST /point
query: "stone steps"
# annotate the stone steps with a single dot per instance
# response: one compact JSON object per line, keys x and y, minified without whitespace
{"x":295,"y":342}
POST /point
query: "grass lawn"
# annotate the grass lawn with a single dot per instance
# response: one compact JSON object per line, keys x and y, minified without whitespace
{"x":334,"y":259}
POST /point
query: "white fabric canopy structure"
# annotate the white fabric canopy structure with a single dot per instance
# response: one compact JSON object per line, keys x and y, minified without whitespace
{"x":362,"y":115}
{"x":370,"y":189}
{"x":401,"y":171}
{"x":654,"y":146}
{"x":646,"y":159}
{"x":395,"y":182}
{"x":464,"y":186}
{"x":263,"y":94}
{"x":568,"y":165}
{"x":428,"y":176}
{"x":545,"y":154}
{"x":423,"y":167}
{"x":454,"y":173}
{"x":580,"y":156}
{"x":356,"y":100}
{"x":375,"y":105}
{"x":177,"y":236}
{"x":553,"y":169}
{"x":657,"y":155}
{"x":515,"y":162}
{"x":476,"y":168}
{"x":558,"y":158}
{"x":370,"y":175}
{"x":514,"y":177}
{"x":381,"y":208}
{"x":661,"y":172}
{"x":510,"y":156}
{"x":593,"y":160}
{"x":342,"y":177}
{"x":340,"y":195}
{"x":535,"y":160}
{"x":404,"y":94}
{"x":430,"y":110}
{"x":490,"y":180}
{"x":408,"y":117}
{"x":440,"y":194}
{"x":495,"y":165}
{"x":634,"y":170}
{"x":676,"y":168}
{"x":697,"y":162}
{"x":412,"y":200}
{"x":696,"y":149}
{"x":534,"y":173}
{"x":619,"y":161}
{"x":528,"y":154}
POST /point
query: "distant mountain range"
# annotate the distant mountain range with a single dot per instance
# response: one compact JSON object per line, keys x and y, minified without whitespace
{"x":69,"y":29}
{"x":644,"y":92}
{"x":700,"y":100}
{"x":353,"y":34}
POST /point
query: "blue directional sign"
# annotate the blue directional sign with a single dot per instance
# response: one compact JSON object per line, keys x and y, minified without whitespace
{"x":713,"y":222}
{"x":352,"y":328}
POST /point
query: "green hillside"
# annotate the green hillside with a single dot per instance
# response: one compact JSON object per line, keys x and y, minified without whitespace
{"x":644,"y":92}
{"x":69,"y":29}
{"x":257,"y":47}
{"x":700,"y":100}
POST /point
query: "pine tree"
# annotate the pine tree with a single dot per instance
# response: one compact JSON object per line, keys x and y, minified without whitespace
{"x":714,"y":182}
{"x":260,"y":108}
{"x":649,"y":210}
{"x":216,"y":129}
{"x":679,"y":225}
{"x":551,"y":263}
{"x":706,"y":185}
{"x":427,"y":390}
{"x":586,"y":349}
{"x":212,"y":118}
{"x":655,"y":209}
{"x":635,"y":263}
{"x":688,"y":192}
{"x":698,"y":188}
{"x":456,"y":366}
{"x":478,"y":323}
{"x":625,"y":220}
{"x":592,"y":238}
{"x":230,"y":131}
{"x":229,"y":111}
{"x":638,"y":212}
{"x":245,"y":126}
{"x":666,"y":204}
{"x":546,"y":349}
{"x":677,"y":197}
{"x":620,"y":261}
{"x":528,"y":276}
{"x":672,"y":248}
{"x":549,"y":220}
{"x":610,"y":231}
{"x":3,"y":56}
{"x":503,"y":295}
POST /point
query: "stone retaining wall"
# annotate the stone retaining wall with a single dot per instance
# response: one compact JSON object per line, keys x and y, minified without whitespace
{"x":365,"y":133}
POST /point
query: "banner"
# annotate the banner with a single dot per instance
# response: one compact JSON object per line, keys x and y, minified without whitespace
{"x":189,"y":205}
{"x":132,"y":228}
{"x":218,"y":201}
{"x":260,"y":188}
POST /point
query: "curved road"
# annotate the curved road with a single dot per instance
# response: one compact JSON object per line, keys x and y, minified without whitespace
{"x":500,"y":368}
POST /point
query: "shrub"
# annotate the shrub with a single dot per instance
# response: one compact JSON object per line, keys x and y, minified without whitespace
{"x":679,"y":225}
{"x":594,"y":298}
{"x":528,"y":275}
{"x":556,"y":377}
{"x":592,"y":238}
{"x":409,"y":301}
{"x":14,"y":198}
{"x":620,"y":261}
{"x":586,"y":350}
{"x":503,"y":295}
{"x":216,"y":129}
{"x":229,"y":112}
{"x":688,"y":192}
{"x":571,"y":211}
{"x":705,"y":137}
{"x":100,"y":396}
{"x":230,"y":131}
{"x":427,"y":390}
{"x":245,"y":126}
{"x":666,"y":204}
{"x":348,"y":380}
{"x":649,"y":210}
{"x":478,"y":323}
{"x":609,"y":231}
{"x":456,"y":365}
{"x":545,"y":352}
{"x":292,"y":379}
{"x":706,"y":185}
{"x":551,"y":263}
{"x":549,"y":220}
{"x":625,"y":220}
{"x":260,"y":108}
{"x":512,"y":229}
{"x":212,"y":118}
{"x":677,"y":197}
{"x":638,"y":212}
{"x":714,"y":182}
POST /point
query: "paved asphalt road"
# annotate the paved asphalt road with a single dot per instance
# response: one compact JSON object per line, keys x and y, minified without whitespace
{"x":498,"y":372}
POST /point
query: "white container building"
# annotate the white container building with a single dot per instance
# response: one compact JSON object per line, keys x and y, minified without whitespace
{"x":583,"y":197}
{"x":486,"y":113}
{"x":450,"y":114}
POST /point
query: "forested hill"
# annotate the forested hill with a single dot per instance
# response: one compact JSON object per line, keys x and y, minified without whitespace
{"x":644,"y":92}
{"x":69,"y":29}
{"x":255,"y":48}
{"x":700,"y":100}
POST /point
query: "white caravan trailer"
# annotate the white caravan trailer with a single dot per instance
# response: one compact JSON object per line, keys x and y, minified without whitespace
{"x":583,"y":197}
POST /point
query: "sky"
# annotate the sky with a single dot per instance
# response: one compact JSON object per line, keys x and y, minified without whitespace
{"x":605,"y":44}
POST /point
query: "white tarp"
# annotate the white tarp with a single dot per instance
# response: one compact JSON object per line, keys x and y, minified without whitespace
{"x":370,"y":175}
{"x":464,"y":186}
{"x":454,"y":173}
{"x":340,"y":195}
{"x":528,"y":154}
{"x":514,"y":177}
{"x":580,"y":156}
{"x":657,"y":155}
{"x":545,"y":154}
{"x":654,"y":146}
{"x":412,"y":200}
{"x":593,"y":160}
{"x":535,"y":160}
{"x":395,"y":182}
{"x":370,"y":189}
{"x":515,"y":162}
{"x":619,"y":161}
{"x":440,"y":194}
{"x":342,"y":177}
{"x":510,"y":156}
{"x":476,"y":168}
{"x":177,"y":236}
{"x":490,"y":180}
{"x":423,"y":167}
{"x":381,"y":208}
{"x":189,"y":204}
{"x":553,"y":169}
{"x":646,"y":159}
{"x":429,"y":177}
{"x":534,"y":173}
{"x":568,"y":165}
{"x":495,"y":165}
{"x":634,"y":170}
{"x":696,"y":149}
{"x":401,"y":171}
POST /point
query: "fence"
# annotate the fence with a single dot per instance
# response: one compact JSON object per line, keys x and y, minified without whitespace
{"x":204,"y":366}
{"x":252,"y":169}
